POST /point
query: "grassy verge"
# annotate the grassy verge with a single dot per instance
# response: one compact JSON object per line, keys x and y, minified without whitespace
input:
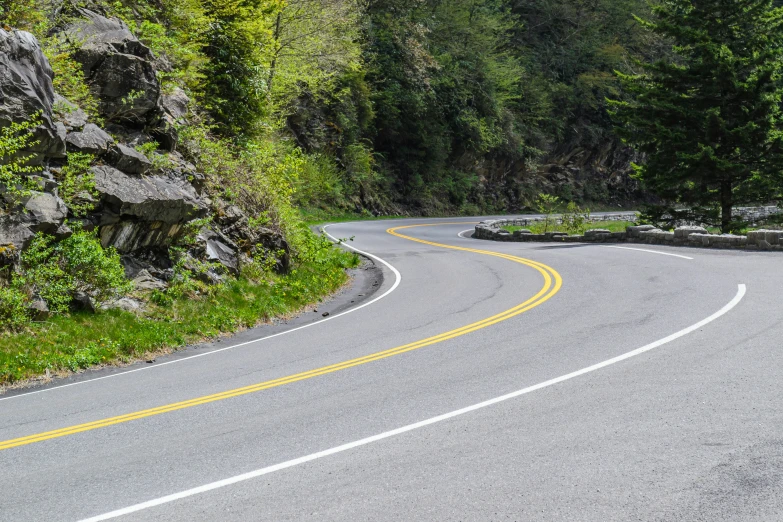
{"x":612,"y":226}
{"x":72,"y":342}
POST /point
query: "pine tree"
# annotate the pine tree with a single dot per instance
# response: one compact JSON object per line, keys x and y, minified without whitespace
{"x":708,"y":118}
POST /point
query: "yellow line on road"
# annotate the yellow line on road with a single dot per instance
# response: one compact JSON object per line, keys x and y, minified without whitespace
{"x":552,"y":283}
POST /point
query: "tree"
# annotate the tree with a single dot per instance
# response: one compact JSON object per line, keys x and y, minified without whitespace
{"x":709,"y":119}
{"x":234,"y":90}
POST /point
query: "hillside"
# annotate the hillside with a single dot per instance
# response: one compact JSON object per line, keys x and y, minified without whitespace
{"x":157,"y":152}
{"x":392,"y":106}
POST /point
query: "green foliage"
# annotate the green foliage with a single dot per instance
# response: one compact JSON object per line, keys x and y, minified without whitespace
{"x":541,"y":227}
{"x":547,"y":205}
{"x":150,"y":149}
{"x":321,"y":182}
{"x":709,"y":119}
{"x":575,"y":219}
{"x":81,"y":339}
{"x":234,"y":90}
{"x":69,"y":79}
{"x":77,"y":183}
{"x":14,"y":140}
{"x":14,"y":312}
{"x":24,"y":14}
{"x":57,"y":271}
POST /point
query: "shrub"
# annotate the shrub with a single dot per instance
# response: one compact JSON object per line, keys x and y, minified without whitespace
{"x":547,"y":205}
{"x":14,"y":313}
{"x":13,"y":167}
{"x":76,"y":182}
{"x":69,"y":78}
{"x":575,"y":219}
{"x":56,"y":272}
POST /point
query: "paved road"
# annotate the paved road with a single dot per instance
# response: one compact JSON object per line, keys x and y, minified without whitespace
{"x":547,"y":412}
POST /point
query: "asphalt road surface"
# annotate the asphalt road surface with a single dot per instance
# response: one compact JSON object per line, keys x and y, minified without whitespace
{"x":473,"y":380}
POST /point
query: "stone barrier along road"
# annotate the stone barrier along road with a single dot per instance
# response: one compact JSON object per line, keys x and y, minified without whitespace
{"x":523,"y":221}
{"x":693,"y":236}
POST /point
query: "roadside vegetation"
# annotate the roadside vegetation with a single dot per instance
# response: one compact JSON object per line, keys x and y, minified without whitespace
{"x":186,"y":313}
{"x":306,"y":111}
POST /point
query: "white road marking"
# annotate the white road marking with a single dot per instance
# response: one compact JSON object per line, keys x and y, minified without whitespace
{"x":397,"y":280}
{"x":646,"y":250}
{"x":410,"y":427}
{"x":468,"y":230}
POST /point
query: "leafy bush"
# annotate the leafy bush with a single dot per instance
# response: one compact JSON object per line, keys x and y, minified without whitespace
{"x":13,"y":167}
{"x":575,"y":219}
{"x":14,"y":313}
{"x":69,"y":79}
{"x":76,"y":182}
{"x":57,"y":271}
{"x":547,"y":205}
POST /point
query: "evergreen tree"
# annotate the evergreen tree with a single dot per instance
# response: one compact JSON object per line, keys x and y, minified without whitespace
{"x":709,"y":119}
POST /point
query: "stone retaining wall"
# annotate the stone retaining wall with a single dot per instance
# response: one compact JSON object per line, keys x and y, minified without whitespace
{"x":557,"y":219}
{"x":693,"y":236}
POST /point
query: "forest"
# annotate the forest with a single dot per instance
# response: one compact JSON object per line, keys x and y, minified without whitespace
{"x":164,"y":159}
{"x":398,"y":106}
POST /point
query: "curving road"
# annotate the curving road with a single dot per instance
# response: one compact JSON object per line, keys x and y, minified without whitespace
{"x":470,"y":380}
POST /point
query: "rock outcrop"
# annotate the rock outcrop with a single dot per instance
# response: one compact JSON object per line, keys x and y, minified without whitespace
{"x":140,"y":207}
{"x":26,"y":90}
{"x":118,"y":67}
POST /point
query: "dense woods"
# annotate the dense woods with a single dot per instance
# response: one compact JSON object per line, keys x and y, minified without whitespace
{"x":401,"y":105}
{"x":187,"y":144}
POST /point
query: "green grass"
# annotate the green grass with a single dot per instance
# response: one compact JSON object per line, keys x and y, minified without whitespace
{"x":538,"y":228}
{"x":77,"y":341}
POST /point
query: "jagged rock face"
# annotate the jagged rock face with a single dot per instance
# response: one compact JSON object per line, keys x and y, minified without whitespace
{"x":72,"y":117}
{"x":151,"y":198}
{"x":92,"y":140}
{"x":139,"y":210}
{"x":176,"y":103}
{"x":118,"y":68}
{"x":26,"y":89}
{"x":146,"y":212}
{"x":14,"y":233}
{"x":128,"y":160}
{"x":44,"y":212}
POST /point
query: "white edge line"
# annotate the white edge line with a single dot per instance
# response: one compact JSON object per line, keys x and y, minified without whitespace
{"x":646,"y":250}
{"x":410,"y":427}
{"x":397,"y":280}
{"x":468,"y":230}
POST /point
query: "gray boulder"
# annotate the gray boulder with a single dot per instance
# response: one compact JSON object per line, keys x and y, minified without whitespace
{"x":69,"y":114}
{"x":597,"y":233}
{"x":14,"y":232}
{"x":118,"y":68}
{"x":45,"y":212}
{"x":636,"y":230}
{"x":39,"y":309}
{"x":92,"y":139}
{"x":83,"y":301}
{"x":685,"y":231}
{"x":151,"y":198}
{"x":145,"y":281}
{"x":126,"y":304}
{"x":219,"y":252}
{"x":147,"y":211}
{"x":176,"y":103}
{"x":26,"y":89}
{"x":128,"y":160}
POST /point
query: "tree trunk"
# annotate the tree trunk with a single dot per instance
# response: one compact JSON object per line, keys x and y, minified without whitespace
{"x":273,"y":65}
{"x":726,"y":205}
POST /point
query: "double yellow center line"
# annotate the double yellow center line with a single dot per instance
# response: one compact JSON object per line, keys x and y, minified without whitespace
{"x":552,"y":283}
